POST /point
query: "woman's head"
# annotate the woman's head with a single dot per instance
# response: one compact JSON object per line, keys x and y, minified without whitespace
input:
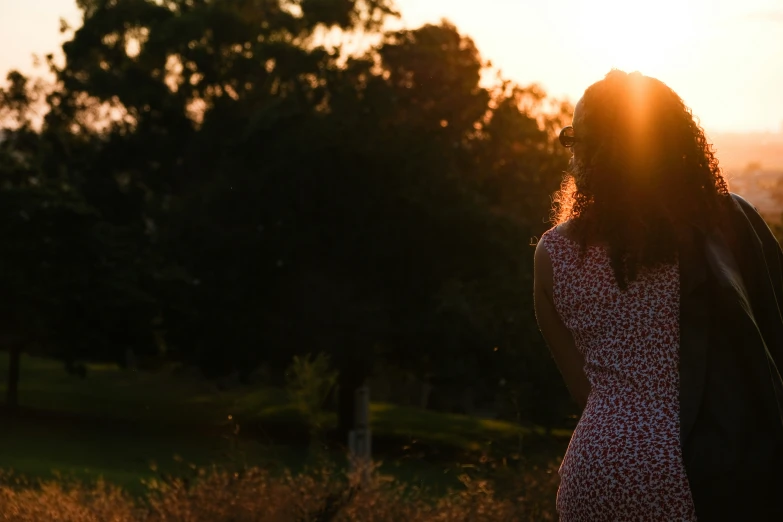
{"x":642,"y":171}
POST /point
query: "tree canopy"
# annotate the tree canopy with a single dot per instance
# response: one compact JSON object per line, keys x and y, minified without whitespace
{"x":219,"y":183}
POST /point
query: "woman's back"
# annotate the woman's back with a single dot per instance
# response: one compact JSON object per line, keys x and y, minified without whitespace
{"x":624,"y":461}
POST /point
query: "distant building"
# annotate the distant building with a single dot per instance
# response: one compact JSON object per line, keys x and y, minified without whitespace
{"x":736,"y":151}
{"x":761,"y":187}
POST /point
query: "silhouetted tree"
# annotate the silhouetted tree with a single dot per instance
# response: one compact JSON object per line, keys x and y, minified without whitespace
{"x":229,"y":180}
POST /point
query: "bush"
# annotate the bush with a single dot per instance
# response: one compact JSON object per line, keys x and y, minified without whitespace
{"x":309,"y":380}
{"x":256,"y":495}
{"x":70,"y":502}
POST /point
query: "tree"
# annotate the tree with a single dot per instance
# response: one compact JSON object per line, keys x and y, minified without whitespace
{"x":73,"y":282}
{"x":276,"y":197}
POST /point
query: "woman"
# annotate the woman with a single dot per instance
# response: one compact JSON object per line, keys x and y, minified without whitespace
{"x":645,"y":203}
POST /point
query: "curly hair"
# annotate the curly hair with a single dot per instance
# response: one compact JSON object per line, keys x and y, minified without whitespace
{"x":644,"y":177}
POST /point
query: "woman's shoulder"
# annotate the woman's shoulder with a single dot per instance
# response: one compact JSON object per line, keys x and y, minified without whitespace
{"x":743,"y":204}
{"x":557,"y":243}
{"x":558,"y":231}
{"x":566,"y":229}
{"x":566,"y":232}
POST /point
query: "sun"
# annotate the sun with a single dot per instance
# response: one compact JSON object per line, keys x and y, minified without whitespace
{"x":630,"y":35}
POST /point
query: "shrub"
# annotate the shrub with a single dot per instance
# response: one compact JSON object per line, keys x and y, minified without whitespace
{"x":66,"y":502}
{"x":309,"y":380}
{"x":256,"y":495}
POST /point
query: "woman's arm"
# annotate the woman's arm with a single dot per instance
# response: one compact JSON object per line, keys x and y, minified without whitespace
{"x":557,"y":336}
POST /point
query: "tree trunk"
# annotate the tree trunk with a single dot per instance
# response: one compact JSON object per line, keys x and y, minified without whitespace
{"x":12,"y":391}
{"x":468,"y":401}
{"x":424,"y":394}
{"x":348,"y":381}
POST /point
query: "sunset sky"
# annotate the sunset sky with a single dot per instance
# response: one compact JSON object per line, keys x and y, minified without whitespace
{"x":724,"y":57}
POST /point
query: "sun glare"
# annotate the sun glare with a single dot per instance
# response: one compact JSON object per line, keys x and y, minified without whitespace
{"x":640,"y":36}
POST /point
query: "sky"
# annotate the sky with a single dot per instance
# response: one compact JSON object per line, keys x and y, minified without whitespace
{"x":723,"y":57}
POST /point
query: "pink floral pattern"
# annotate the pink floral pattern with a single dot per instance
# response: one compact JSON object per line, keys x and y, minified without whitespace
{"x":624,"y":461}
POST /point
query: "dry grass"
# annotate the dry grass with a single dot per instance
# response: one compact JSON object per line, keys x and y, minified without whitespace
{"x":256,"y":495}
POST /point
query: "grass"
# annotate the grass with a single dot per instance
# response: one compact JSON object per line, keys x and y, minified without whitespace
{"x":111,"y":393}
{"x":119,"y":425}
{"x":42,"y":448}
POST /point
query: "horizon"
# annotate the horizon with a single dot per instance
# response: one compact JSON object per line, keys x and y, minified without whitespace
{"x":706,"y":39}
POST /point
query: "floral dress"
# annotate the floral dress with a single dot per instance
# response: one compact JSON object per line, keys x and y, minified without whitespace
{"x":624,"y":461}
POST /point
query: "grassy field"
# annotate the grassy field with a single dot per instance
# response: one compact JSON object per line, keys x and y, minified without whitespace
{"x":121,"y":425}
{"x":124,"y":426}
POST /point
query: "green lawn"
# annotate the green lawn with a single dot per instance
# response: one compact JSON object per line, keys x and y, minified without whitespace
{"x":118,"y":424}
{"x":40,"y":448}
{"x":108,"y":392}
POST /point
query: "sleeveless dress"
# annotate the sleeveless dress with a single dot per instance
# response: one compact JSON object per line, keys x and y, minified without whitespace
{"x":624,"y":461}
